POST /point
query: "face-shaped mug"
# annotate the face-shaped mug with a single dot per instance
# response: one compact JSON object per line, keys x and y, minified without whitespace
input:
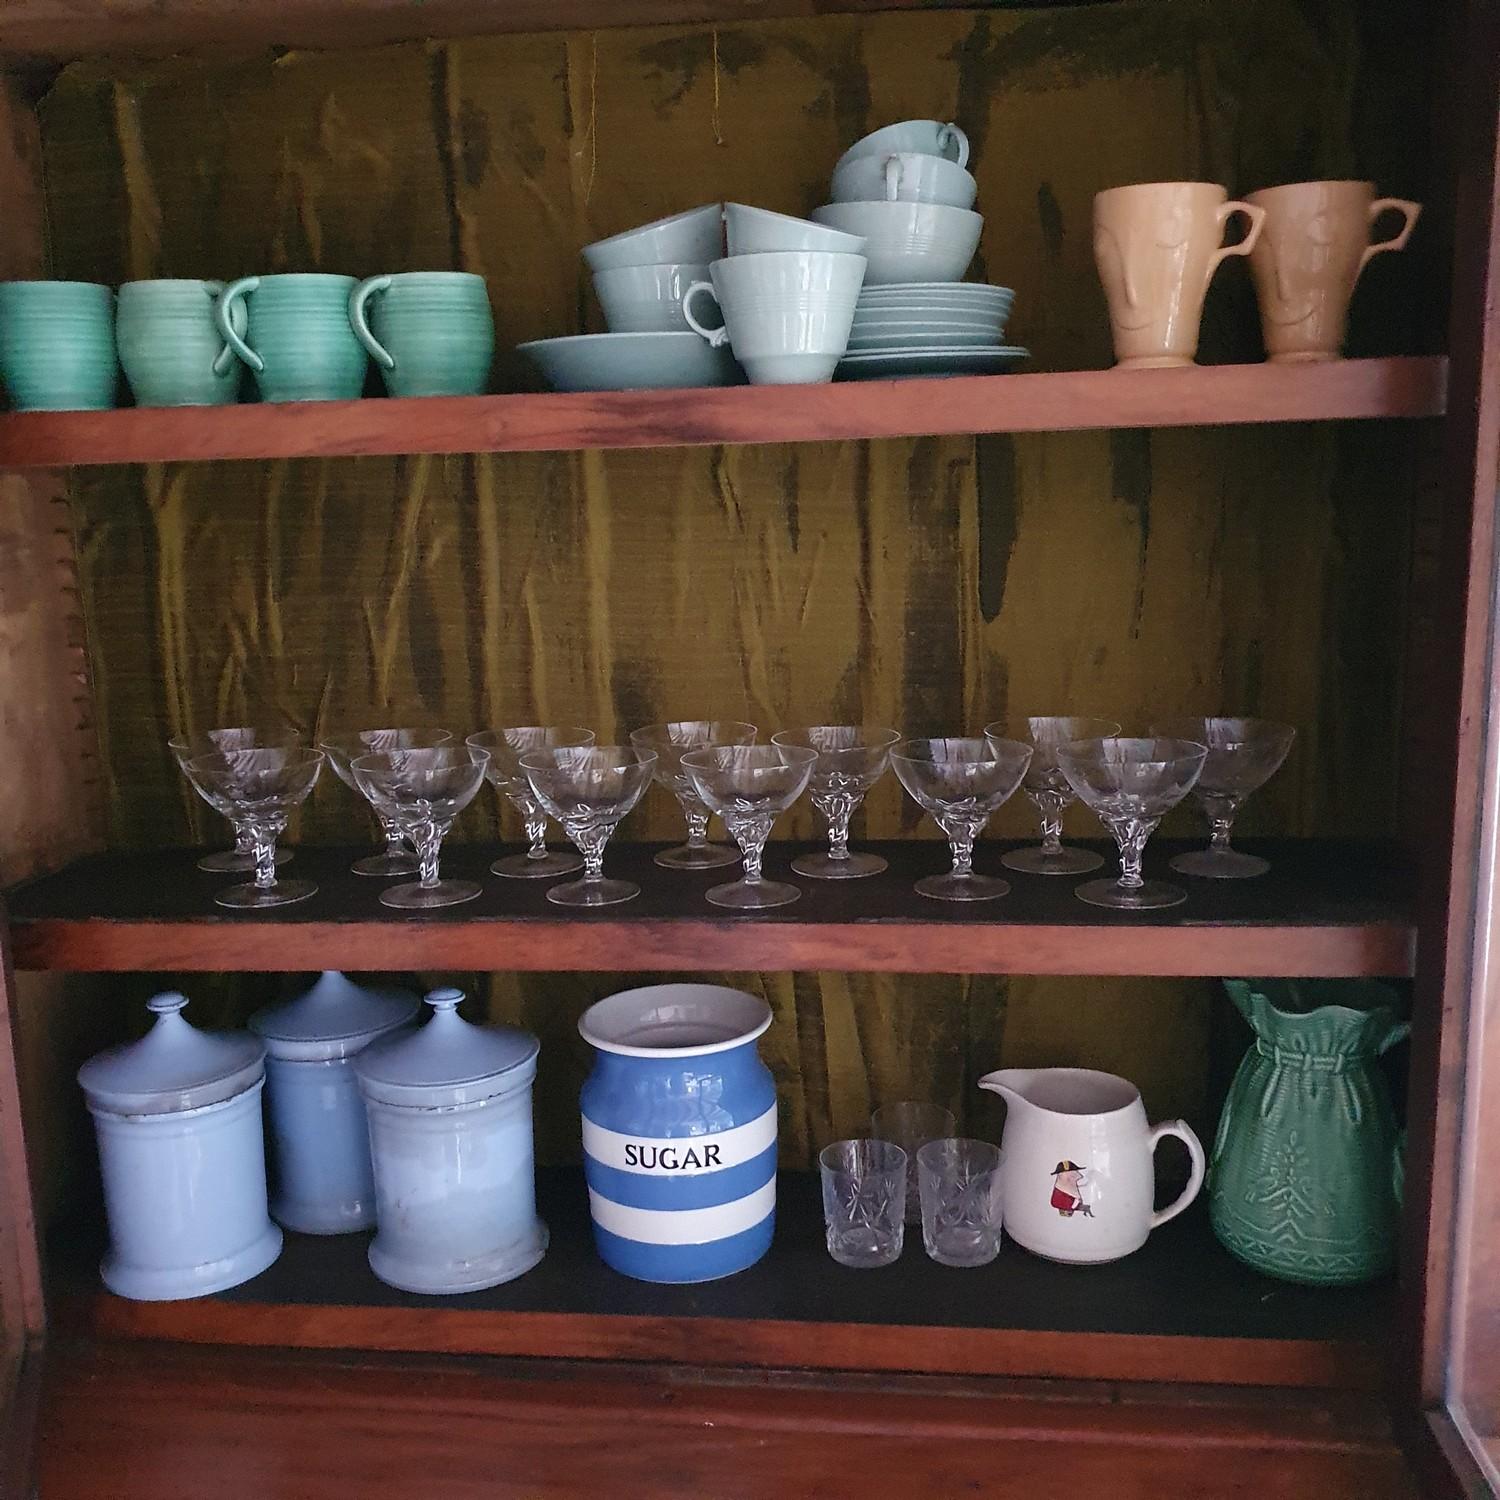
{"x":1157,"y":246}
{"x":1315,"y":247}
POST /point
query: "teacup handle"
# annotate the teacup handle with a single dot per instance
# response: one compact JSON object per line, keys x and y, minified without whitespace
{"x":1184,"y":1133}
{"x":951,"y":135}
{"x":1408,"y":210}
{"x":1225,"y":212}
{"x":717,"y":337}
{"x":357,"y":299}
{"x":228,"y":311}
{"x":892,"y":178}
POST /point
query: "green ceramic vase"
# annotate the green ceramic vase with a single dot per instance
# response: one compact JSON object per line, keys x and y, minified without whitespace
{"x":1303,"y":1175}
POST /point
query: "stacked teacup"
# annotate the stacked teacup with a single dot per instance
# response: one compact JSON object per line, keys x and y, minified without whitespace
{"x":640,"y":277}
{"x":907,"y":191}
{"x":786,"y":291}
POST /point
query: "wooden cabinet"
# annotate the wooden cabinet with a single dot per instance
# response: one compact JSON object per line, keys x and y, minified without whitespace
{"x":1320,"y":536}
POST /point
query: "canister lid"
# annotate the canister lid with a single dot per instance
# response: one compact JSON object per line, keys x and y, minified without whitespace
{"x":335,"y":1018}
{"x":448,"y":1061}
{"x":174,"y":1067}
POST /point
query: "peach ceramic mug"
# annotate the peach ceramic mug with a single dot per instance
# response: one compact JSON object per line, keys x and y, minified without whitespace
{"x":1157,"y":245}
{"x":1315,"y":247}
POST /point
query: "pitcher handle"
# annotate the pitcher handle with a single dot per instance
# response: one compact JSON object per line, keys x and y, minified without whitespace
{"x":357,"y":299}
{"x":1184,"y":1133}
{"x":717,"y":337}
{"x":951,"y":135}
{"x":1226,"y":211}
{"x":1408,"y":210}
{"x":225,"y":318}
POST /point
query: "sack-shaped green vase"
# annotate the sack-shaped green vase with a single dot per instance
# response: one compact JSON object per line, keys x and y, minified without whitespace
{"x":1302,"y":1180}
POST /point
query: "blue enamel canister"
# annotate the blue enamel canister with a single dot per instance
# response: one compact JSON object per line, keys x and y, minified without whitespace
{"x":679,"y":1132}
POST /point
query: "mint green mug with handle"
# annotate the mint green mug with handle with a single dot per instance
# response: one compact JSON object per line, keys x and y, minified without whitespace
{"x":431,"y":332}
{"x":170,"y":347}
{"x":298,"y":339}
{"x":57,"y":345}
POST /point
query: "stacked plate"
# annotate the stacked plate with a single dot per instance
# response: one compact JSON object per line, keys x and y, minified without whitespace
{"x":930,"y":328}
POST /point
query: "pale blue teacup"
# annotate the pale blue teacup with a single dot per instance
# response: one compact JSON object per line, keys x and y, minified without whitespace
{"x":298,"y":339}
{"x":170,"y":346}
{"x":431,"y":332}
{"x":57,"y":345}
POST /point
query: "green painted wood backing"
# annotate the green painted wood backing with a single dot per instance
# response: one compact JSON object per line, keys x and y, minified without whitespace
{"x":932,"y":584}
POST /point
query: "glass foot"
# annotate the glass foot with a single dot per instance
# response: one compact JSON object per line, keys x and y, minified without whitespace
{"x":553,"y":863}
{"x":231,"y":862}
{"x":414,"y":896}
{"x":951,"y":887}
{"x":754,"y":895}
{"x":1039,"y":861}
{"x":825,"y":867}
{"x":251,"y":897}
{"x":1220,"y":864}
{"x":605,"y":892}
{"x":1152,"y":895}
{"x":386,"y":866}
{"x":698,"y":857}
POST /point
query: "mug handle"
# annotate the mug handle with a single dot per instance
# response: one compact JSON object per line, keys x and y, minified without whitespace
{"x":230,"y":299}
{"x":951,"y":135}
{"x":1184,"y":1133}
{"x":892,"y":178}
{"x":1226,"y":211}
{"x":357,"y":299}
{"x":1408,"y":210}
{"x":717,"y":337}
{"x":225,"y":357}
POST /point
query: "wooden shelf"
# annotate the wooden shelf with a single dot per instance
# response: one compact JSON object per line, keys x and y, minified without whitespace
{"x":1200,"y":396}
{"x":1180,"y":1309}
{"x":1327,"y":909}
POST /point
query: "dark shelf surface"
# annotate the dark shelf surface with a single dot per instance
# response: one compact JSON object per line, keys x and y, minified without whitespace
{"x":1327,"y":908}
{"x":1210,"y":395}
{"x":1180,"y":1308}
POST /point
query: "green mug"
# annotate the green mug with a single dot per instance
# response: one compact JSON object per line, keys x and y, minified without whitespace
{"x":298,"y":340}
{"x":170,"y":347}
{"x":433,"y":332}
{"x":57,"y":345}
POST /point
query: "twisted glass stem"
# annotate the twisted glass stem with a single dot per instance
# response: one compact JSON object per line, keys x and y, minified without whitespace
{"x":1050,"y":805}
{"x":751,"y":833}
{"x":590,"y":839}
{"x":837,"y":808}
{"x":1130,"y":837}
{"x":427,"y":838}
{"x":263,"y":833}
{"x":1220,"y":812}
{"x":697,"y":816}
{"x":395,"y":845}
{"x":961,"y":835}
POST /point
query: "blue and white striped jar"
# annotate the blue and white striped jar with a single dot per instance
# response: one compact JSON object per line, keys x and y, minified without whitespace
{"x":679,"y":1132}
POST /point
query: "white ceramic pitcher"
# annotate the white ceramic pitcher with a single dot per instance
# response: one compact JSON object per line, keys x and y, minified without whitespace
{"x":1077,"y":1163}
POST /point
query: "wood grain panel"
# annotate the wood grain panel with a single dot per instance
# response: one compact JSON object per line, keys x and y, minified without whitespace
{"x":272,"y":1427}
